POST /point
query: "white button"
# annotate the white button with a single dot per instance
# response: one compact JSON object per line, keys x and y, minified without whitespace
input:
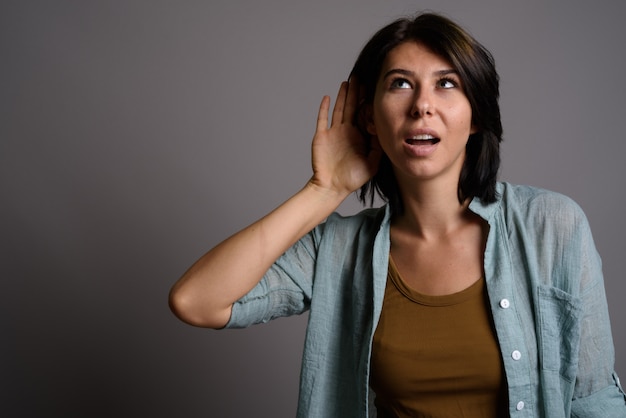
{"x":504,"y":303}
{"x":516,"y":355}
{"x":520,"y":405}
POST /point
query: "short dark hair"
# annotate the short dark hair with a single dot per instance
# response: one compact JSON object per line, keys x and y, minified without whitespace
{"x":476,"y":68}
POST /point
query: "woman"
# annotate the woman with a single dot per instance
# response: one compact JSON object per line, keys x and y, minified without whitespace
{"x":460,"y":297}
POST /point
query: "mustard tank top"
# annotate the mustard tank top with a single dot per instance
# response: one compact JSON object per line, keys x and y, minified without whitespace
{"x":436,"y":356}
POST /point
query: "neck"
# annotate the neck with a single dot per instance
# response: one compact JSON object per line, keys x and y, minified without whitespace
{"x":432,"y":209}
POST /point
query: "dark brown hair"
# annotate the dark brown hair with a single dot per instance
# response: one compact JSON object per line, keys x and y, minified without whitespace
{"x":476,"y":68}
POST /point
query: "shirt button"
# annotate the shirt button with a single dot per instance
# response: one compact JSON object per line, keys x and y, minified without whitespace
{"x":516,"y":355}
{"x":519,"y":406}
{"x":504,"y":303}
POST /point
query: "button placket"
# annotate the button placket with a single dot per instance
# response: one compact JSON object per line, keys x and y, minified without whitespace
{"x":504,"y":304}
{"x":516,"y":355}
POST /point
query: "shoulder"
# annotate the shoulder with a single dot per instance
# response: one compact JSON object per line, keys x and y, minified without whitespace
{"x":533,"y":203}
{"x":550,"y":232}
{"x":367,"y":219}
{"x":550,"y":222}
{"x":341,"y":233}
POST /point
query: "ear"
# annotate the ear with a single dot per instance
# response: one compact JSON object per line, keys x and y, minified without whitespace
{"x":369,"y":120}
{"x":473,"y":129}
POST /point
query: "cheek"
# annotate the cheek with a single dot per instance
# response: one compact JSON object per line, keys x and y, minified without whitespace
{"x":384,"y":116}
{"x":462,"y":119}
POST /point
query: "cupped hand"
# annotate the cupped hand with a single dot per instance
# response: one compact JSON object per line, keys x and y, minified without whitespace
{"x":343,"y":160}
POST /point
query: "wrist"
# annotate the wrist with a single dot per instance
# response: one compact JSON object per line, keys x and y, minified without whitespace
{"x":327,"y":193}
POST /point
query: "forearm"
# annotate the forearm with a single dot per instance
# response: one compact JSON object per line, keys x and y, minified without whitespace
{"x":204,"y":295}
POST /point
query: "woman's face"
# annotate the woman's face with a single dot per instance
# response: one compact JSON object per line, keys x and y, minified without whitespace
{"x":420,"y":114}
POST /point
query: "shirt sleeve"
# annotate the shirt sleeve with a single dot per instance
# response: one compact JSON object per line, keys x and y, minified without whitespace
{"x":597,"y":392}
{"x":284,"y":290}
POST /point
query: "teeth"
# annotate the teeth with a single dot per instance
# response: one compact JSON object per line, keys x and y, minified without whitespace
{"x":422,"y":137}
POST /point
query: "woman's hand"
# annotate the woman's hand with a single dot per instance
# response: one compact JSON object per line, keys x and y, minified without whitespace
{"x":342,"y":158}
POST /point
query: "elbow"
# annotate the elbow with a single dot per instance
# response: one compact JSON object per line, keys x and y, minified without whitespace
{"x":186,"y":307}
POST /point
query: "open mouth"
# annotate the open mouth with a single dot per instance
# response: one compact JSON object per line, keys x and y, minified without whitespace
{"x":422,"y":140}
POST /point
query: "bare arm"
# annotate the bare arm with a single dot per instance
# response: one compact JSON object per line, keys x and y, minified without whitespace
{"x":205,"y":294}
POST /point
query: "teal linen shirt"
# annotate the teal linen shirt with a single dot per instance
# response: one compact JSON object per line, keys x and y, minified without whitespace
{"x":546,"y":294}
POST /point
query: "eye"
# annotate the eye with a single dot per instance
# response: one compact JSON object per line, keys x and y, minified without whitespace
{"x":400,"y":83}
{"x":447,"y":83}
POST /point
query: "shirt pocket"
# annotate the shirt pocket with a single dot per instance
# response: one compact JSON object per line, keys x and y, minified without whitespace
{"x":559,"y":330}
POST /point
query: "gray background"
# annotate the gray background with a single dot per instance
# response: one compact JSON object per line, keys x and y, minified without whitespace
{"x":135,"y":135}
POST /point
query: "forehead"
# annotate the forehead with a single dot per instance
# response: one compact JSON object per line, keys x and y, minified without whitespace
{"x":414,"y":54}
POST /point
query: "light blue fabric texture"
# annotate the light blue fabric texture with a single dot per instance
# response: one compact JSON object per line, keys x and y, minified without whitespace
{"x":546,"y":292}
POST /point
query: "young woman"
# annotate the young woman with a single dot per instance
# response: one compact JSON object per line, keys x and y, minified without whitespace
{"x":461,"y":296}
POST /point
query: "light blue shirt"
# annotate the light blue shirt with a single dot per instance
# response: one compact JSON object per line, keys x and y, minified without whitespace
{"x":546,"y":292}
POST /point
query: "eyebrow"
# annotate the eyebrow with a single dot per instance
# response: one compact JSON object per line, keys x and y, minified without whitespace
{"x":401,"y":71}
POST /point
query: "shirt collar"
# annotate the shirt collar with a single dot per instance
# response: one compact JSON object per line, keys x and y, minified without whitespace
{"x":487,"y":210}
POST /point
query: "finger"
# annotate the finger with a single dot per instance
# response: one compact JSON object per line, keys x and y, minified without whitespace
{"x":322,"y":115}
{"x":352,"y":97}
{"x":339,"y":104}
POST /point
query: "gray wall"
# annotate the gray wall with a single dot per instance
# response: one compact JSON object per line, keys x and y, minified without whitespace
{"x":134,"y":135}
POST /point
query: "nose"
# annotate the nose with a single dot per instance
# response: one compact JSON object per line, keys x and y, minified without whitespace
{"x":422,"y":104}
